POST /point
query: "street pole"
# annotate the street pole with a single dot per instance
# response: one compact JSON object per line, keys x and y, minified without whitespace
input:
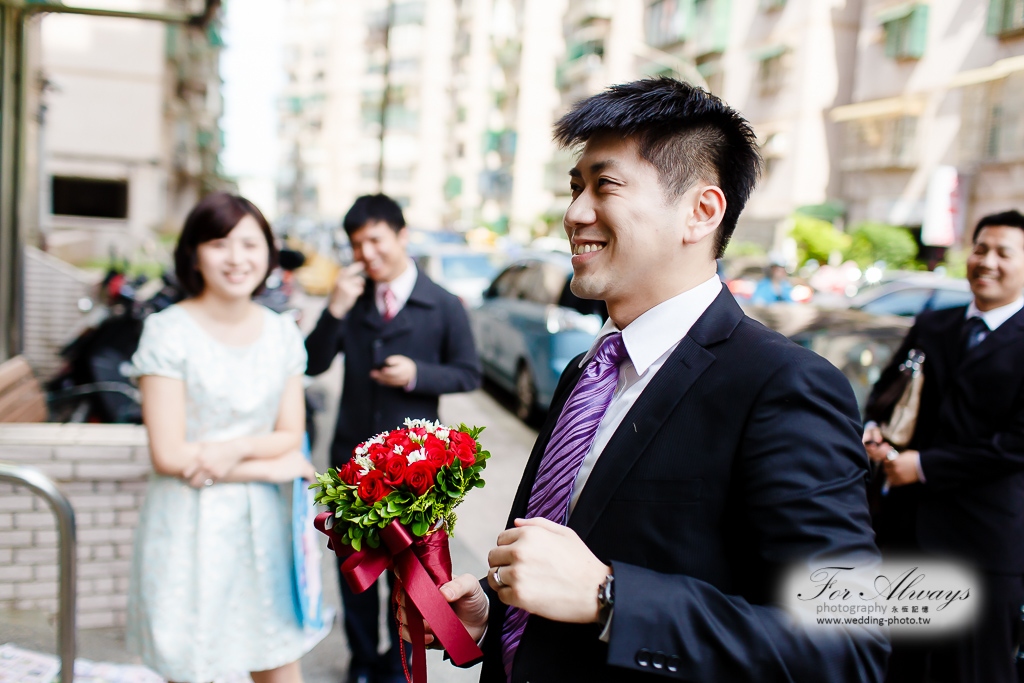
{"x":12,"y":79}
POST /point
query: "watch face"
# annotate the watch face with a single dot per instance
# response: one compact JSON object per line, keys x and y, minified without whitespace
{"x":606,"y":594}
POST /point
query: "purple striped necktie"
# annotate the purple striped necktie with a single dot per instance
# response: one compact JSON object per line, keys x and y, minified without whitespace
{"x":569,"y":444}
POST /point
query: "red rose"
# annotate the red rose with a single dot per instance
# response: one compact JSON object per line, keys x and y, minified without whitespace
{"x":399,"y":437}
{"x":436,"y":452}
{"x":379,"y":454}
{"x":419,"y":476}
{"x":349,"y":472}
{"x":394,"y":470}
{"x":418,"y":431}
{"x":372,"y":487}
{"x":464,"y":447}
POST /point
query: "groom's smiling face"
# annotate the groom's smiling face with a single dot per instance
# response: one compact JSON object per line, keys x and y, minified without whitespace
{"x":625,"y":229}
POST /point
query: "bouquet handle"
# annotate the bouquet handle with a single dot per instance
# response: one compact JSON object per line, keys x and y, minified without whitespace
{"x":361,"y":569}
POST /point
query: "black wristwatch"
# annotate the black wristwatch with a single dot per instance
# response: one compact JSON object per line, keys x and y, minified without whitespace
{"x":605,"y":599}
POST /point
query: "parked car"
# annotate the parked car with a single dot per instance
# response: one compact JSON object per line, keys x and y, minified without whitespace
{"x":857,"y":342}
{"x":530,"y":326}
{"x":464,"y":272}
{"x":911,"y":295}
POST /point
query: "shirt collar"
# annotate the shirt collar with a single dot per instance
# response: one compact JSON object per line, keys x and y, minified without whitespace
{"x":401,"y":286}
{"x":997,"y":316}
{"x":659,"y":329}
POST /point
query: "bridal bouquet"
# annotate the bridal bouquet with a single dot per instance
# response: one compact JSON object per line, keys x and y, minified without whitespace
{"x":416,"y":476}
{"x":392,"y":506}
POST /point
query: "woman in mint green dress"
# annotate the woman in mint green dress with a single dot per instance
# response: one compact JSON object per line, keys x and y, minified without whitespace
{"x":221,"y":380}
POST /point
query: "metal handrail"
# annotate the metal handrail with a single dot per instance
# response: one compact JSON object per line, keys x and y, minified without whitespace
{"x":42,"y":485}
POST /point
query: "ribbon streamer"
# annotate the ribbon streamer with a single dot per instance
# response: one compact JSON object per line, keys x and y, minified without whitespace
{"x":361,"y":568}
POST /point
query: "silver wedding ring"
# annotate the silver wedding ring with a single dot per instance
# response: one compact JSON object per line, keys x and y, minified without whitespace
{"x":208,"y":482}
{"x":497,"y":579}
{"x":892,"y":454}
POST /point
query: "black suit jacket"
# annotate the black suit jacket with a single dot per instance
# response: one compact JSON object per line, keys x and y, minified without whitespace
{"x":432,"y":329}
{"x":741,"y":457}
{"x":970,"y":433}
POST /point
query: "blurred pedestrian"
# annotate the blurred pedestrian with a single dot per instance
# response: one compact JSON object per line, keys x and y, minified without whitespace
{"x":774,"y":287}
{"x":957,"y":489}
{"x":406,"y":341}
{"x":691,"y":456}
{"x":221,"y":379}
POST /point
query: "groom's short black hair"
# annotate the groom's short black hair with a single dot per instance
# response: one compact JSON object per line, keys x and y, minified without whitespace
{"x":373,"y":208}
{"x":685,"y":132}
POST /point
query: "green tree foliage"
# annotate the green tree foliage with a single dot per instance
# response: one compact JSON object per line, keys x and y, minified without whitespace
{"x":872,"y":242}
{"x":816,"y":238}
{"x":740,"y":248}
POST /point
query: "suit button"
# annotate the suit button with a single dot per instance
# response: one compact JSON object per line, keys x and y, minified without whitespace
{"x":673,"y":664}
{"x":643,"y":657}
{"x":658,"y":660}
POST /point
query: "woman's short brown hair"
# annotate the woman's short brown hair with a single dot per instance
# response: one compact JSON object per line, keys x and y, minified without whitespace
{"x":212,"y":218}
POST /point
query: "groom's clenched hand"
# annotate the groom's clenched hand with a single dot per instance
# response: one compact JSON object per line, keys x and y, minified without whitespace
{"x":547,"y":570}
{"x":468,"y":601}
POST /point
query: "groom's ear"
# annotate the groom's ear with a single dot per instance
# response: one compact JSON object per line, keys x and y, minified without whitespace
{"x":705,"y":211}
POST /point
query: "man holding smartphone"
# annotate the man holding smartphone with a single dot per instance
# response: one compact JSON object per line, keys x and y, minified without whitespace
{"x":405,"y":341}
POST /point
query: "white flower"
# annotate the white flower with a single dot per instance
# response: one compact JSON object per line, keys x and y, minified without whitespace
{"x":442,"y":434}
{"x":398,"y":450}
{"x":416,"y":456}
{"x":365,"y":464}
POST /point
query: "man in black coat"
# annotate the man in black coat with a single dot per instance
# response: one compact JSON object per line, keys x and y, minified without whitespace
{"x":405,"y":342}
{"x":958,"y":488}
{"x":723,"y":454}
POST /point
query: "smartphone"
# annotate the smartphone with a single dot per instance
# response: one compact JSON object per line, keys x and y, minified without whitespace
{"x":379,"y":356}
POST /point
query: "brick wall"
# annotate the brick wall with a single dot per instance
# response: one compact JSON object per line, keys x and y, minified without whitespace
{"x":102,"y":469}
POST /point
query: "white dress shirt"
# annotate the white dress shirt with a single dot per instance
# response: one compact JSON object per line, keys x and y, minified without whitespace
{"x":997,"y":316}
{"x":649,"y":341}
{"x":401,"y":286}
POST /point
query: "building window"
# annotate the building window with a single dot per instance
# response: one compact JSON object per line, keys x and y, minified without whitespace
{"x":906,"y":31}
{"x":703,"y":24}
{"x":90,"y":197}
{"x":1005,"y":17}
{"x":667,"y":22}
{"x":881,"y":142}
{"x":772,"y":69}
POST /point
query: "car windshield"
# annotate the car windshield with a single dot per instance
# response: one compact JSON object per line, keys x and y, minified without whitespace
{"x":466,"y":266}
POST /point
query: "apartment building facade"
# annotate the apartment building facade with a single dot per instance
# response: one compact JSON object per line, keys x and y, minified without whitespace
{"x":128,"y":134}
{"x":934,"y":135}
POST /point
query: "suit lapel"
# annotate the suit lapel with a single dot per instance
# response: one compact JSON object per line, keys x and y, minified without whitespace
{"x":653,"y":408}
{"x":402,"y":323}
{"x":1007,"y":333}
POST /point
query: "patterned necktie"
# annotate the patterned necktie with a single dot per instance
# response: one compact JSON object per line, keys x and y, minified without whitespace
{"x":569,"y":444}
{"x":975,"y":331}
{"x":390,"y":303}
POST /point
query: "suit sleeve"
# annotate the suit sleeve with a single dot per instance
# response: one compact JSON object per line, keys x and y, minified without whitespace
{"x":800,"y":472}
{"x":459,"y":369}
{"x":324,"y":343}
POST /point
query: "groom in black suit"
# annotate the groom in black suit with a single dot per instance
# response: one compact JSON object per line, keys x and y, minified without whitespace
{"x":702,"y":454}
{"x":959,"y":486}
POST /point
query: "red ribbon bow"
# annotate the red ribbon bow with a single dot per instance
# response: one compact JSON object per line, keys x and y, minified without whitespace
{"x":420,"y":576}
